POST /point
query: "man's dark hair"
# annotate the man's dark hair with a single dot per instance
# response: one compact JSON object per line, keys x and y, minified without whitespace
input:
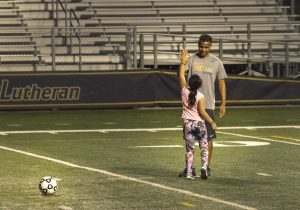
{"x":205,"y":38}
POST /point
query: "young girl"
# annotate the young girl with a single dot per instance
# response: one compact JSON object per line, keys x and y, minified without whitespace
{"x":193,"y":116}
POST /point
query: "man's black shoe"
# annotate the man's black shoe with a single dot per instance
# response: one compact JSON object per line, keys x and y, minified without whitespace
{"x":208,"y":171}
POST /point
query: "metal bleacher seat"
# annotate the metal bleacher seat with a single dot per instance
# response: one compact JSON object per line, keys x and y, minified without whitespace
{"x":17,"y":47}
{"x":110,"y":20}
{"x":225,"y":19}
{"x":26,"y":39}
{"x":142,"y":13}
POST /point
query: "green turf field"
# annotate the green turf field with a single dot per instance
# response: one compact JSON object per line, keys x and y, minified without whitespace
{"x":130,"y":159}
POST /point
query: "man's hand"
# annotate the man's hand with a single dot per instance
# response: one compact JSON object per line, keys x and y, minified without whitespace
{"x":222,"y":110}
{"x":222,"y":88}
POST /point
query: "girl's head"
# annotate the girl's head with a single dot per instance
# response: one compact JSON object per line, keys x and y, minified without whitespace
{"x":195,"y":83}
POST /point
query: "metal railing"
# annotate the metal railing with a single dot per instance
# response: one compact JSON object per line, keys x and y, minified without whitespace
{"x":103,"y":48}
{"x":135,"y":42}
{"x":284,"y":54}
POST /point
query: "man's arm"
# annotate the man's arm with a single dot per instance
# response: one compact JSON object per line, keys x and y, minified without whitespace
{"x":222,"y":88}
{"x":203,"y":114}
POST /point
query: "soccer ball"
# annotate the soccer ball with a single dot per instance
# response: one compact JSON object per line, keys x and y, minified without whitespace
{"x":48,"y":185}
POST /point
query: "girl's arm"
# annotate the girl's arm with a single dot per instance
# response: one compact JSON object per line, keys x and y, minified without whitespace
{"x":181,"y":76}
{"x":203,"y":114}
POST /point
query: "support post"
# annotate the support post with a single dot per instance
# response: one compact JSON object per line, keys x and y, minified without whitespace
{"x":155,"y":51}
{"x":135,"y":48}
{"x":53,"y":48}
{"x":142,"y":51}
{"x":249,"y":63}
{"x":286,"y":74}
{"x":270,"y":62}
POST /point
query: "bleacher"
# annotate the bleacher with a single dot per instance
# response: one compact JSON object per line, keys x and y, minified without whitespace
{"x":30,"y":43}
{"x":17,"y":47}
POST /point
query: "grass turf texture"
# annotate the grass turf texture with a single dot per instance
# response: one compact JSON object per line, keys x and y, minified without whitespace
{"x":235,"y":169}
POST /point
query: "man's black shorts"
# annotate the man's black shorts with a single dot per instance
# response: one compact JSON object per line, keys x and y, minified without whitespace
{"x":211,"y":133}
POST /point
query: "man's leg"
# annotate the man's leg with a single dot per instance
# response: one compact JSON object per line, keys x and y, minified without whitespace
{"x":204,"y":153}
{"x":210,"y":149}
{"x":211,"y":134}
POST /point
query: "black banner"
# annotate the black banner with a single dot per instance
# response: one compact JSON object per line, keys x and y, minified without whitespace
{"x":248,"y":90}
{"x":87,"y":89}
{"x":113,"y":89}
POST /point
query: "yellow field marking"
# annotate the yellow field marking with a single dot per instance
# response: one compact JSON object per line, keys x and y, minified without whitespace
{"x":287,"y":138}
{"x":261,"y":138}
{"x":188,"y":204}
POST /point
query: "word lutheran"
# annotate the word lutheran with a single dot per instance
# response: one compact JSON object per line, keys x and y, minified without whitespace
{"x":33,"y":92}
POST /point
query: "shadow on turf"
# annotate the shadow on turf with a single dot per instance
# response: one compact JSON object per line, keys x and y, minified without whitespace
{"x":240,"y":182}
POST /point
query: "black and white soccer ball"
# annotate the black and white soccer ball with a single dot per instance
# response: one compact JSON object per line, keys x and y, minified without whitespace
{"x":48,"y":185}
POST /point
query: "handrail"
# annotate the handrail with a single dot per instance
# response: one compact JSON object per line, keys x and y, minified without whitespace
{"x":77,"y":34}
{"x":64,"y":9}
{"x":228,"y":23}
{"x":228,"y":40}
{"x":136,"y":52}
{"x":72,"y":15}
{"x":249,"y":58}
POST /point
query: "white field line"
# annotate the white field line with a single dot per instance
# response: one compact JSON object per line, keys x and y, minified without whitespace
{"x":256,"y":137}
{"x":216,"y":144}
{"x":158,"y":146}
{"x":139,"y":129}
{"x":263,"y":174}
{"x":176,"y":190}
{"x":258,"y":127}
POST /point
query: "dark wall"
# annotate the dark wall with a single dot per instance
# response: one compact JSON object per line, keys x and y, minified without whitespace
{"x":298,"y":8}
{"x":128,"y":89}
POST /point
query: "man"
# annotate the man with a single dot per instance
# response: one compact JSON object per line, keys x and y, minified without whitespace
{"x":209,"y":68}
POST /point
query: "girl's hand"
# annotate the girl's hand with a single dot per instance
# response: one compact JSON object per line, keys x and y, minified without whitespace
{"x":183,"y":56}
